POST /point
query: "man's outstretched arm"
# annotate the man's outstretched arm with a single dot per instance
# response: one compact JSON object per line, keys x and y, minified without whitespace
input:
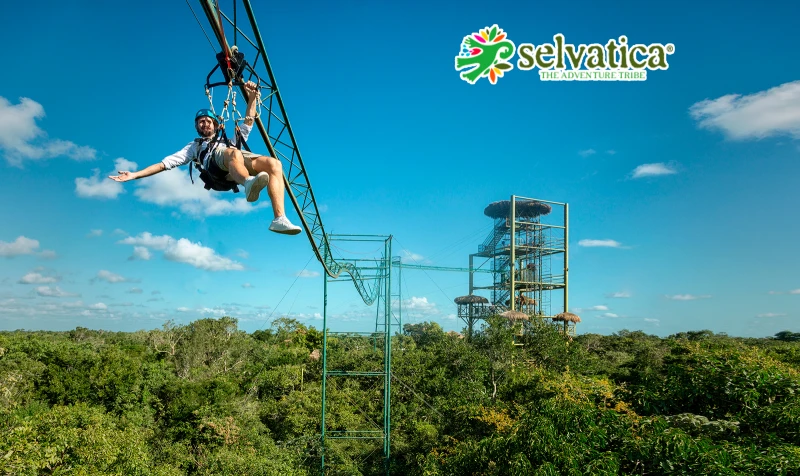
{"x":124,"y":176}
{"x":177,"y":159}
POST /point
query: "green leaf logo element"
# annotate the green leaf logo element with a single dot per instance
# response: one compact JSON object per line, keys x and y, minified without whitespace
{"x":484,"y":55}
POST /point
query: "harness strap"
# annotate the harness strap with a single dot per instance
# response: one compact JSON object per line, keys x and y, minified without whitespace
{"x":213,"y":176}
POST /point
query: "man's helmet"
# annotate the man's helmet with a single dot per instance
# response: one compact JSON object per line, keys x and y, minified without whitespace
{"x":206,"y":113}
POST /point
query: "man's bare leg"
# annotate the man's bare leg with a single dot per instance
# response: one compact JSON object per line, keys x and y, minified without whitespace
{"x":234,"y":162}
{"x":239,"y":173}
{"x":275,"y":188}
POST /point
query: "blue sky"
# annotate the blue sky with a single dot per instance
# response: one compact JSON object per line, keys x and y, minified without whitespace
{"x":703,"y":236}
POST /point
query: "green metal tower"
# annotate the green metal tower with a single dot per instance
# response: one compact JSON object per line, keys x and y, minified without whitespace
{"x":370,"y":434}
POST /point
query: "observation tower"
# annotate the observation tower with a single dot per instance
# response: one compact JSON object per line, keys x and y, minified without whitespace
{"x":527,"y":250}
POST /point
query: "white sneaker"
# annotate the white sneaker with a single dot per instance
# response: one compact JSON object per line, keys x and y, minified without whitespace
{"x":284,"y":226}
{"x":254,"y":185}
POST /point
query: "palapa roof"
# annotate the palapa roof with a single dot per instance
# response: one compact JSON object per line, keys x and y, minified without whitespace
{"x":567,"y":316}
{"x":515,"y":315}
{"x":523,"y":208}
{"x":471,"y":299}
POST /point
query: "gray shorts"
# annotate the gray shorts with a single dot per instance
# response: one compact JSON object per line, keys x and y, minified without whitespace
{"x":218,"y":155}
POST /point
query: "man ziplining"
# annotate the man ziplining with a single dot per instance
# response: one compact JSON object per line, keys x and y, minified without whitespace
{"x":228,"y":165}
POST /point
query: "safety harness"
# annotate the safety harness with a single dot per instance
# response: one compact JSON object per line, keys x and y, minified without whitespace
{"x":214,"y":177}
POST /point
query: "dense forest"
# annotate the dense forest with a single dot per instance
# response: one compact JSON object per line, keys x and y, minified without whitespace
{"x":209,"y":399}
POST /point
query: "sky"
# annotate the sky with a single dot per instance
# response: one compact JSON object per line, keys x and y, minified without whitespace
{"x":682,"y":189}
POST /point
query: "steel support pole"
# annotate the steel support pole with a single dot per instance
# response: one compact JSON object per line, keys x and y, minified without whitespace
{"x":387,"y":395}
{"x":512,"y":259}
{"x":566,"y":258}
{"x":324,"y":363}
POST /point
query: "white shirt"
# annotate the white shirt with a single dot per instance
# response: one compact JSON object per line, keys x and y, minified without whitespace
{"x":193,"y":150}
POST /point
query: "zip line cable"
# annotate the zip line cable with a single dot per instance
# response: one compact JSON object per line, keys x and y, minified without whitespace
{"x":451,"y":248}
{"x":426,"y":273}
{"x":416,"y":394}
{"x":201,"y":26}
{"x":286,"y":293}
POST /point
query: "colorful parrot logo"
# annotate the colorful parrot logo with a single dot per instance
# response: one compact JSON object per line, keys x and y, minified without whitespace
{"x":484,"y":55}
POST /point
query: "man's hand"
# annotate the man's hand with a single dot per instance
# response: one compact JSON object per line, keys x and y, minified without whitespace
{"x":253,"y":91}
{"x":253,"y":94}
{"x":123,"y":176}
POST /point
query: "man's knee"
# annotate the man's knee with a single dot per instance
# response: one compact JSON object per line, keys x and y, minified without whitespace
{"x":274,"y":165}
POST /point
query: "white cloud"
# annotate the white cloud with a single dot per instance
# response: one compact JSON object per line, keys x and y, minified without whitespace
{"x":47,"y":254}
{"x":419,"y":308}
{"x":687,"y":297}
{"x":619,"y":295}
{"x":587,"y":152}
{"x":47,"y":291}
{"x":412,"y":256}
{"x":771,"y":314}
{"x":184,"y":251}
{"x":135,"y":291}
{"x":123,"y":164}
{"x":95,"y":233}
{"x":610,"y":314}
{"x":109,"y":277}
{"x":183,"y":309}
{"x":98,"y":306}
{"x":773,"y":112}
{"x":140,"y":252}
{"x":36,"y":278}
{"x":794,"y":291}
{"x":247,"y":285}
{"x":597,"y":308}
{"x":20,"y":246}
{"x":217,"y":311}
{"x":147,"y":239}
{"x":174,"y":189}
{"x":653,"y":170}
{"x":242,"y":254}
{"x":600,"y":243}
{"x":21,"y":139}
{"x":97,"y":187}
{"x":611,"y":152}
{"x":307,"y":274}
{"x":648,"y":319}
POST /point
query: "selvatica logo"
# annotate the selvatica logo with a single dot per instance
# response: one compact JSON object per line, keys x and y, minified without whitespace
{"x":487,"y":54}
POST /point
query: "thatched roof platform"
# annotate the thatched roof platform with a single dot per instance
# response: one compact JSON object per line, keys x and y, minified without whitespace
{"x":523,"y":208}
{"x":471,"y":299}
{"x":515,"y":316}
{"x":567,"y":316}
